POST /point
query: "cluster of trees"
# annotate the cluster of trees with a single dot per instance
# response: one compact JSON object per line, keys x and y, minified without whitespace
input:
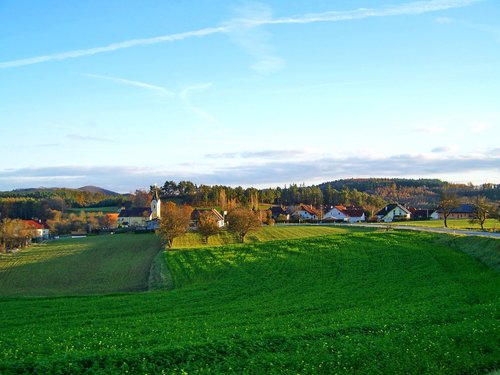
{"x":61,"y":198}
{"x":227,"y":197}
{"x":80,"y":222}
{"x":175,"y":221}
{"x":14,"y":233}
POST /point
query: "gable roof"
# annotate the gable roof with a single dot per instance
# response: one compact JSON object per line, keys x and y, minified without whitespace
{"x":465,"y":208}
{"x":353,"y":212}
{"x":309,"y":209}
{"x":195,"y":214}
{"x":384,"y":211}
{"x":277,"y":210}
{"x":135,"y":212}
{"x":35,"y":224}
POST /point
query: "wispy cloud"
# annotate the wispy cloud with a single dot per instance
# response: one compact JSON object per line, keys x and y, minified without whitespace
{"x":444,"y":149}
{"x":266,"y":154}
{"x":247,"y":23}
{"x":80,"y":137}
{"x":185,"y":96}
{"x":429,"y":129}
{"x":143,"y":85}
{"x":114,"y":47}
{"x":413,"y":8}
{"x":245,"y":33}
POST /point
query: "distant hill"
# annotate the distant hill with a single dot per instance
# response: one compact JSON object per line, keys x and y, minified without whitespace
{"x":96,"y":189}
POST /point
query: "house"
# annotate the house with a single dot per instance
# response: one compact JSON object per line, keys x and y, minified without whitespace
{"x":134,"y":217}
{"x":195,"y":215}
{"x":142,"y":217}
{"x":463,"y":211}
{"x":40,"y":231}
{"x":279,"y":213}
{"x":393,"y":212}
{"x":304,"y":212}
{"x":349,"y":214}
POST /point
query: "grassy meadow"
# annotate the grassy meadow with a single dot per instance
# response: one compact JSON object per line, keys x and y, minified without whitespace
{"x":266,"y":233}
{"x":490,"y":224}
{"x":370,"y":302}
{"x":75,"y":266}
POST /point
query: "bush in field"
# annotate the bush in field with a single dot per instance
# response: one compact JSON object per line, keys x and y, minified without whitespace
{"x":241,"y":221}
{"x":174,"y":222}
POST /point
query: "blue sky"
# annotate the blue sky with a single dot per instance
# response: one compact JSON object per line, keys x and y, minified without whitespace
{"x":124,"y":94}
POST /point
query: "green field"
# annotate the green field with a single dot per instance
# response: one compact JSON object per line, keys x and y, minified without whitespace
{"x":266,"y":233}
{"x":75,"y":266}
{"x":453,"y":224}
{"x":361,"y":302}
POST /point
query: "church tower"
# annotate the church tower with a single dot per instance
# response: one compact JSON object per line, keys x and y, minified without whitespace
{"x":155,"y":205}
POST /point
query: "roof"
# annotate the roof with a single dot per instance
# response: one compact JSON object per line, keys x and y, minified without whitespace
{"x":461,"y":209}
{"x":277,"y":210}
{"x":309,"y":209}
{"x":353,"y":212}
{"x":384,"y":211}
{"x":197,"y":212}
{"x":135,"y":212}
{"x":35,"y":224}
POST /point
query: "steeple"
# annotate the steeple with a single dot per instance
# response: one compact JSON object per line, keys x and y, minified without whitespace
{"x":155,"y":204}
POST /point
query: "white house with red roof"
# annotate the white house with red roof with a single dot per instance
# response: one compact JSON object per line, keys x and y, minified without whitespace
{"x":304,"y":212}
{"x":349,"y":214}
{"x":40,"y":231}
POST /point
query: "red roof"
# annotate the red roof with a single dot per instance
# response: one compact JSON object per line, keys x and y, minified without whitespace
{"x":34,"y":224}
{"x":353,"y":212}
{"x":309,"y":209}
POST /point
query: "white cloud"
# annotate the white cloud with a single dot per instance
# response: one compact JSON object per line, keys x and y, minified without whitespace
{"x":265,"y":173}
{"x":259,"y":17}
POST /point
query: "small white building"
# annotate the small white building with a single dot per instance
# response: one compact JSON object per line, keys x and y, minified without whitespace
{"x":346,"y":214}
{"x":305,"y":212}
{"x":393,"y":212}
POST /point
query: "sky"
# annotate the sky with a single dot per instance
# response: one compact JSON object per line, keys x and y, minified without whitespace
{"x":124,"y":94}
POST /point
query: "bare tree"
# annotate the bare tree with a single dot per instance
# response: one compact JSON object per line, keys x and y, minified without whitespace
{"x":241,"y":221}
{"x":174,"y":222}
{"x":482,"y":210}
{"x":447,"y":203}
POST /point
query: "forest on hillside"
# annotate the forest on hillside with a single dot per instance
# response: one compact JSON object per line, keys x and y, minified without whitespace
{"x":371,"y":193}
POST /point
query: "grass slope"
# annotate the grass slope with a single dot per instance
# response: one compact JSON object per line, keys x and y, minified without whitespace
{"x":266,"y":233}
{"x":92,"y":265}
{"x":491,"y":224}
{"x":372,"y":302}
